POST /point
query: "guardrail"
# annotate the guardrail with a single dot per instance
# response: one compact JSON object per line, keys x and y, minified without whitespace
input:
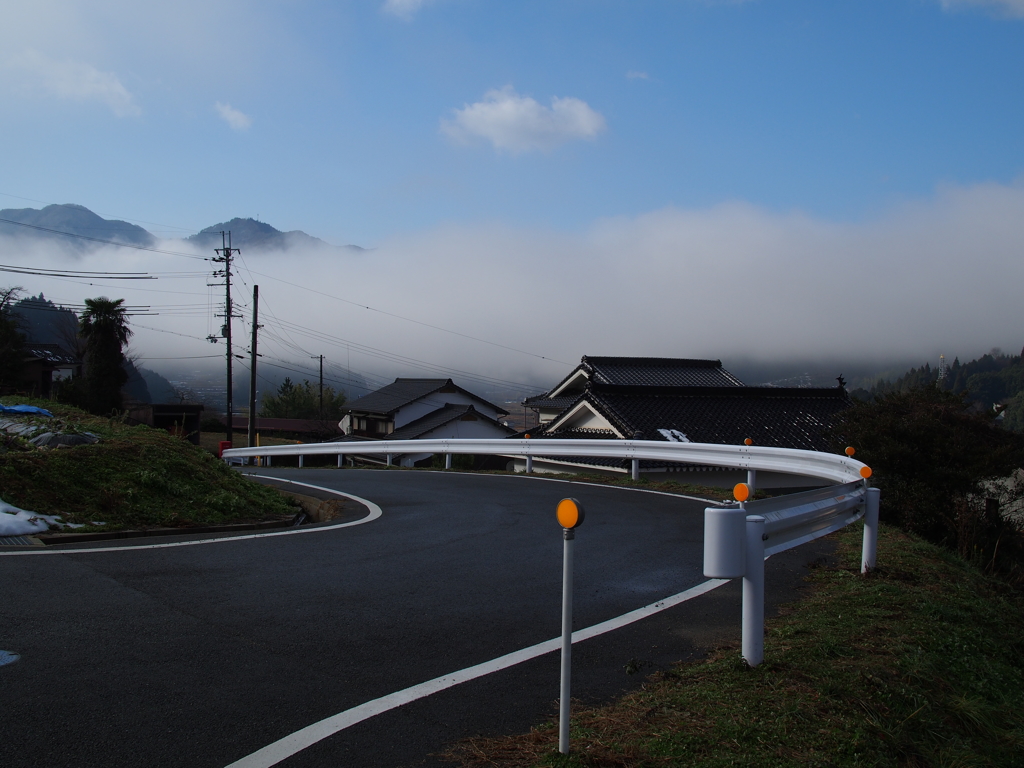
{"x":737,"y":539}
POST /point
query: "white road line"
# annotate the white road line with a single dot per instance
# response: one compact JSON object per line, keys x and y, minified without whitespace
{"x":375,"y":512}
{"x":280,"y":750}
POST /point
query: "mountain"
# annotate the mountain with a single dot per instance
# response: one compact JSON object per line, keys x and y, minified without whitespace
{"x":74,"y":219}
{"x":46,"y":225}
{"x":260,"y":236}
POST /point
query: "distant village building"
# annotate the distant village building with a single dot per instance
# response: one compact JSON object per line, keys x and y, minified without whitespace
{"x":45,"y":365}
{"x":418,"y":409}
{"x":679,"y":400}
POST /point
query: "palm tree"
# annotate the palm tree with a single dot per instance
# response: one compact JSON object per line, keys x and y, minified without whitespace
{"x":104,"y":326}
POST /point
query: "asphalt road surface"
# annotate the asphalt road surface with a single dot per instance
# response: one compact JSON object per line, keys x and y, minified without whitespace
{"x":201,"y":655}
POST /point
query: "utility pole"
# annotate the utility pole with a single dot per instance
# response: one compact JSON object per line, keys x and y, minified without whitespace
{"x":226,"y":252}
{"x":252,"y":367}
{"x":321,"y":412}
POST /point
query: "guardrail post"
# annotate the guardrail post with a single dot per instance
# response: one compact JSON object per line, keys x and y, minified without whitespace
{"x":753,"y":593}
{"x":447,"y":461}
{"x":636,"y":470}
{"x":341,"y":457}
{"x":301,"y":461}
{"x":389,"y":459}
{"x":529,"y":464}
{"x":869,"y":551}
{"x":752,"y":480}
{"x":268,"y":458}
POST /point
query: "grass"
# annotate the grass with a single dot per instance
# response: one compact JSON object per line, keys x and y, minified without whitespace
{"x":135,"y":477}
{"x":921,"y":663}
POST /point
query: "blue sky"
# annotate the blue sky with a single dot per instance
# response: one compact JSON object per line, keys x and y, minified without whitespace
{"x":418,"y":126}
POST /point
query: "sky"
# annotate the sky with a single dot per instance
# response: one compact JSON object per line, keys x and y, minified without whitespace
{"x":759,"y":179}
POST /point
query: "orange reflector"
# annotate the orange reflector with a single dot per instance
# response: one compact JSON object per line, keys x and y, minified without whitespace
{"x":748,"y":441}
{"x":865,"y":472}
{"x":527,"y":437}
{"x":569,"y":513}
{"x":741,"y":491}
{"x":850,"y":450}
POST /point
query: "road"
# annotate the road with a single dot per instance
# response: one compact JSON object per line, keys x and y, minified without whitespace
{"x":200,"y":655}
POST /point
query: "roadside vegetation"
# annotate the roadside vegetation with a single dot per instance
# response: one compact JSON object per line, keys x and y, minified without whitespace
{"x":134,"y":477}
{"x":921,"y":663}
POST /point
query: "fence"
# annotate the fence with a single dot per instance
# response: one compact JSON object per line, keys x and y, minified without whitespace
{"x":737,"y":539}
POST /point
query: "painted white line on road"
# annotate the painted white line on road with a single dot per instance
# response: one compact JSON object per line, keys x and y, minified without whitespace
{"x":280,"y":750}
{"x":375,"y":512}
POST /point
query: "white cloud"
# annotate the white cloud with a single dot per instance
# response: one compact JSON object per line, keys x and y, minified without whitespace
{"x":404,"y":9}
{"x":233,"y":117}
{"x":634,"y":75}
{"x":519,"y":124}
{"x":1014,"y":8}
{"x":74,"y":80}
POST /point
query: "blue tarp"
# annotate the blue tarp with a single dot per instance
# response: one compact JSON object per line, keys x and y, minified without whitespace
{"x":24,"y":409}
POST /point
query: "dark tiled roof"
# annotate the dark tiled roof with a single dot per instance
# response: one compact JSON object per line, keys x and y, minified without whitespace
{"x":543,"y":401}
{"x":445,"y":415}
{"x":770,"y":416}
{"x":387,"y":400}
{"x":51,"y":353}
{"x":658,"y":372}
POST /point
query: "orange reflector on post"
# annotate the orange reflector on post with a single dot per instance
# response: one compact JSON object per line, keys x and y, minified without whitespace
{"x":569,"y":513}
{"x":850,"y":450}
{"x":865,"y":472}
{"x":748,"y":441}
{"x":741,"y":491}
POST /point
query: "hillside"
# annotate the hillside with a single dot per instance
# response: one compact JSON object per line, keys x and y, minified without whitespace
{"x":44,"y":226}
{"x":133,"y":477}
{"x":74,"y":219}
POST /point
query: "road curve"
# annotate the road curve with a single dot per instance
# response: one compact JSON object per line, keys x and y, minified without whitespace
{"x":200,"y":656}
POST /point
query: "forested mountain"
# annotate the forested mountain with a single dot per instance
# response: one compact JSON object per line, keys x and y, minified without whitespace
{"x":44,"y":224}
{"x":992,"y":382}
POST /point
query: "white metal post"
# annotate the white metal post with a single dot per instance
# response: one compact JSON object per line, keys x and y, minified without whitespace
{"x":341,"y":456}
{"x":447,"y":461}
{"x":389,"y":459}
{"x":529,"y":464}
{"x":268,"y":460}
{"x":568,"y":538}
{"x":752,"y":480}
{"x":869,"y":552}
{"x":301,"y":461}
{"x":753,"y":593}
{"x":636,"y":469}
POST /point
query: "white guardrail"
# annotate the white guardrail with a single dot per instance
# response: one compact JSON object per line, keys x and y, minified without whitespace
{"x":737,"y":539}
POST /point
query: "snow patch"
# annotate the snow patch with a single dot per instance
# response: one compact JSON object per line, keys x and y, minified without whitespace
{"x":674,"y":436}
{"x":18,"y":522}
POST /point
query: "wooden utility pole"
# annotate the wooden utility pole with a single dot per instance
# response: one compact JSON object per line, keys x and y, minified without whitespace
{"x":321,"y":411}
{"x":252,"y":367}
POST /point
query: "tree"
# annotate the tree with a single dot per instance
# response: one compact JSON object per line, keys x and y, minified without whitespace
{"x":935,"y":459}
{"x":104,"y":326}
{"x":12,"y":341}
{"x":302,"y":401}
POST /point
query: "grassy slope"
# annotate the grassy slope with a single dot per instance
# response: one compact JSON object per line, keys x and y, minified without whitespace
{"x":134,"y":477}
{"x":919,"y":664}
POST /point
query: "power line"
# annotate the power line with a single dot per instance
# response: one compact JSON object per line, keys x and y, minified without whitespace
{"x":105,"y":242}
{"x":411,"y":320}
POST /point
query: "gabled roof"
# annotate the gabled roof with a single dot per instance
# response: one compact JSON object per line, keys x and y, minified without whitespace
{"x":435,"y":419}
{"x":644,"y":372}
{"x":772,"y":416}
{"x":389,"y":399}
{"x":51,"y":353}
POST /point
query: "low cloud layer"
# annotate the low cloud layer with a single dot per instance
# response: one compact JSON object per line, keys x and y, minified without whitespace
{"x":734,"y":281}
{"x":518,"y":123}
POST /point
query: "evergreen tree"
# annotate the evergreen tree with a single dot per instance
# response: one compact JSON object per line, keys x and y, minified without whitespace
{"x":104,"y":326}
{"x":302,"y":401}
{"x":12,"y":341}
